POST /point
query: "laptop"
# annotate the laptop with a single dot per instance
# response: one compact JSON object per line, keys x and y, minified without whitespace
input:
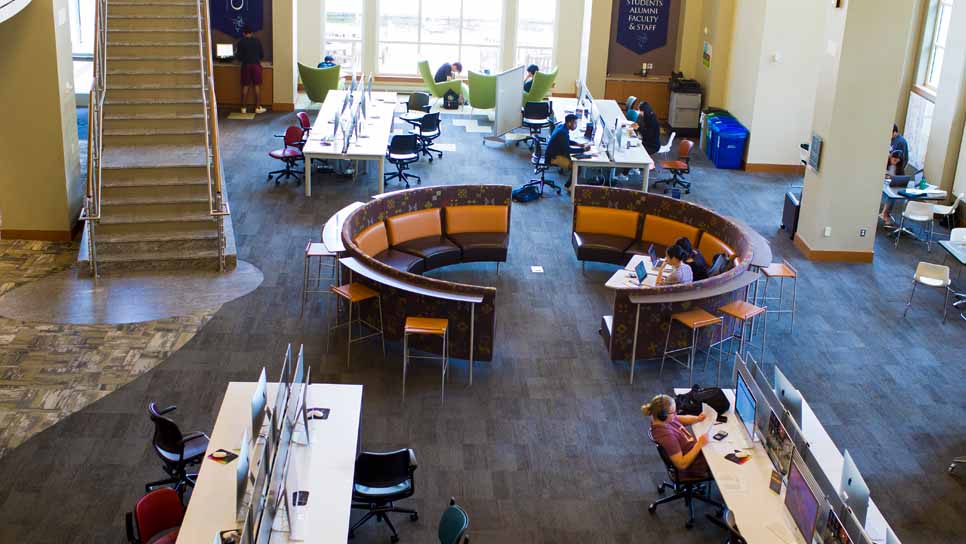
{"x":899,"y":181}
{"x":641,"y":272}
{"x":653,"y":255}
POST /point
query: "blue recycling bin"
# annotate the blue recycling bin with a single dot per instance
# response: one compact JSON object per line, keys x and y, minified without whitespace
{"x":716,"y":130}
{"x":714,"y":125}
{"x":730,"y":149}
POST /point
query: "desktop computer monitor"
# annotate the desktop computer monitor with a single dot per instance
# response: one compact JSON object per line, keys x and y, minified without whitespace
{"x":224,"y":51}
{"x":241,"y":476}
{"x":891,"y":537}
{"x":298,"y":382}
{"x":789,"y":396}
{"x":853,"y":489}
{"x":259,"y":400}
{"x":801,"y":501}
{"x":281,"y":394}
{"x":778,"y":444}
{"x":856,"y":529}
{"x":834,"y":531}
{"x":745,"y":405}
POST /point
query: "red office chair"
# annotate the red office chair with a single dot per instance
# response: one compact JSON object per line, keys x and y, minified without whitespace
{"x":678,"y":168}
{"x":158,"y":511}
{"x":291,"y":154}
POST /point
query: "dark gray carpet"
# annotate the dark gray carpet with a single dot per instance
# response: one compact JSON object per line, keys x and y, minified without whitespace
{"x":549,"y":444}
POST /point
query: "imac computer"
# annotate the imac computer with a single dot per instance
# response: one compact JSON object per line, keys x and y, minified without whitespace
{"x":745,"y":406}
{"x":224,"y":52}
{"x":281,"y":394}
{"x":853,"y":490}
{"x":801,"y":501}
{"x":241,"y":476}
{"x":259,"y":400}
{"x":778,"y":444}
{"x":834,"y":531}
{"x":789,"y":396}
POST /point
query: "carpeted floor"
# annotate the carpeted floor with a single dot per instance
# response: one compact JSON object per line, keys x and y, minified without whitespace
{"x":549,"y":444}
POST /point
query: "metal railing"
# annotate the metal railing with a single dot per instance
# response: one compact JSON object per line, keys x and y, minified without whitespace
{"x":91,"y":211}
{"x":217,"y":205}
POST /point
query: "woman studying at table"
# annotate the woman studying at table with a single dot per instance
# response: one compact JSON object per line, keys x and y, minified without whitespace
{"x":681,"y":271}
{"x":669,"y":431}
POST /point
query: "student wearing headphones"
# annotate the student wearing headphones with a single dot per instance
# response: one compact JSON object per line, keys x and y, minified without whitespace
{"x":669,"y":431}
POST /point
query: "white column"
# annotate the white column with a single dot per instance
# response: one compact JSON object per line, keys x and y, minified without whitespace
{"x":370,"y":36}
{"x":508,"y":45}
{"x":284,"y":54}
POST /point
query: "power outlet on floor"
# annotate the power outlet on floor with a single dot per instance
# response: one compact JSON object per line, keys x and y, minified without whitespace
{"x":828,"y":232}
{"x":863,"y":232}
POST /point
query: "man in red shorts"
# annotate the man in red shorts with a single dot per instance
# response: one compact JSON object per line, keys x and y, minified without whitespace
{"x":248,"y":51}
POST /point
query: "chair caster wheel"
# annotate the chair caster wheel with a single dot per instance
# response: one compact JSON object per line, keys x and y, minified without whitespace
{"x":660,"y":490}
{"x":687,"y":192}
{"x":651,"y":508}
{"x":440,"y":156}
{"x":414,"y":517}
{"x":431,"y":159}
{"x":394,"y":539}
{"x":689,"y":524}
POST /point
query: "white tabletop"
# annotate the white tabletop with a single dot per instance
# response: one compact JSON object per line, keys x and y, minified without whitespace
{"x":377,"y":127}
{"x":332,"y":231}
{"x":931,"y":192}
{"x":610,"y":111}
{"x":325,"y":466}
{"x":625,"y":278}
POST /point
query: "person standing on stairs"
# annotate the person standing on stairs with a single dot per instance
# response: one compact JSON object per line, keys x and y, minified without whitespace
{"x":249,"y":52}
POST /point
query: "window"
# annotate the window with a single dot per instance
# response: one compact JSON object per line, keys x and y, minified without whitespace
{"x":439,"y":31}
{"x":535,"y":33}
{"x":82,"y":27}
{"x":343,"y":33}
{"x":937,"y":44}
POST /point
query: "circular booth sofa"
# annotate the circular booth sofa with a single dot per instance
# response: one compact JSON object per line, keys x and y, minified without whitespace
{"x":612,"y":225}
{"x":395,"y":237}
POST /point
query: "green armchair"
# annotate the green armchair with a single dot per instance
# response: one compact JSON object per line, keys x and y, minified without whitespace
{"x":480,"y":91}
{"x":541,"y":87}
{"x":436,"y":90}
{"x":319,"y":81}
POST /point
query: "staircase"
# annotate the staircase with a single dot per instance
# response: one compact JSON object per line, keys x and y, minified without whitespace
{"x":155,"y":195}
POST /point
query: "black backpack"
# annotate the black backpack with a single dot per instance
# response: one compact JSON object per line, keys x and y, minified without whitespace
{"x":689,"y":404}
{"x":451,"y":100}
{"x":527,"y":193}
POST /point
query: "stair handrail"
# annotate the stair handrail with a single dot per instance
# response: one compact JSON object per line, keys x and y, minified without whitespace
{"x":217,"y":204}
{"x":91,"y":209}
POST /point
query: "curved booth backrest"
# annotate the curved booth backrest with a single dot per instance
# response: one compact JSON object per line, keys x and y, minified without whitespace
{"x":413,"y":225}
{"x":373,"y":240}
{"x":477,"y":218}
{"x":610,"y":221}
{"x":664,"y":232}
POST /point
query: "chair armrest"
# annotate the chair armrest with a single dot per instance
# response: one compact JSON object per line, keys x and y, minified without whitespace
{"x":424,"y":109}
{"x":129,"y":526}
{"x":412,"y":460}
{"x":192,"y":436}
{"x":167,"y":410}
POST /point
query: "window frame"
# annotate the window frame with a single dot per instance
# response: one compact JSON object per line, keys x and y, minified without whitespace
{"x":379,"y":42}
{"x":553,"y":46}
{"x":357,"y":64}
{"x":932,"y":46}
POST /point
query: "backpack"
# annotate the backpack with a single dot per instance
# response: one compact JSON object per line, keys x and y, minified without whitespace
{"x":527,"y":193}
{"x":689,"y":404}
{"x":451,"y":100}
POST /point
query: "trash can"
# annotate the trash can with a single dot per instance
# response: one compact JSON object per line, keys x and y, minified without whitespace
{"x":707,"y":115}
{"x":730,"y":149}
{"x":718,"y":125}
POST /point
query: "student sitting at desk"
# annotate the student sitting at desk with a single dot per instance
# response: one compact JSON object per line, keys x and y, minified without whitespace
{"x":560,"y":146}
{"x":894,"y":167}
{"x":648,"y":127}
{"x":669,"y":431}
{"x":327,"y":62}
{"x":446,"y":71}
{"x":694,"y":259}
{"x":528,"y":77}
{"x":681,"y":270}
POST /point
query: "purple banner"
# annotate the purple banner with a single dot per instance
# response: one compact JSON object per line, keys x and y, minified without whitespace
{"x":642,"y":24}
{"x":231,"y":16}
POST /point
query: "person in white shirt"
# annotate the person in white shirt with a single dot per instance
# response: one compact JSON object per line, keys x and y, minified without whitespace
{"x":681,"y":271}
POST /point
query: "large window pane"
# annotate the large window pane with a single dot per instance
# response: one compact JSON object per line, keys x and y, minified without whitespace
{"x":535,"y":23}
{"x":534,"y":55}
{"x":481,"y":23}
{"x":82,"y":27}
{"x":945,"y":11}
{"x":399,"y":58}
{"x":439,"y":54}
{"x":440,"y":22}
{"x":399,"y":20}
{"x":480,"y":59}
{"x":935,"y":67}
{"x":343,"y":32}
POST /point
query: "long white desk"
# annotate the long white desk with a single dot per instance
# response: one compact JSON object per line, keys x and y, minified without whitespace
{"x":624,"y":157}
{"x":370,"y":146}
{"x":756,"y":508}
{"x":325,"y":466}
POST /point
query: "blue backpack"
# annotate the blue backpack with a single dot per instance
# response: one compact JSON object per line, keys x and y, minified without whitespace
{"x":527,"y":193}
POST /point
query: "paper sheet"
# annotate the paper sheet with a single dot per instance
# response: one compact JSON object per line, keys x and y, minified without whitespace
{"x":704,"y":427}
{"x":781,"y":531}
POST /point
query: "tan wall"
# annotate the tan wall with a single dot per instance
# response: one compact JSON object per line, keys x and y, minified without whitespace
{"x":717,"y":22}
{"x":284,"y":45}
{"x":911,"y":60}
{"x":745,"y":59}
{"x":689,"y":37}
{"x":39,"y":181}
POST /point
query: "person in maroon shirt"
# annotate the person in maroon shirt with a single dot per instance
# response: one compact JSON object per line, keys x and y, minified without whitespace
{"x":669,"y":431}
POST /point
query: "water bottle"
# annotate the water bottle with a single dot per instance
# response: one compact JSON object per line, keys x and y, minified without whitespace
{"x":923,"y":184}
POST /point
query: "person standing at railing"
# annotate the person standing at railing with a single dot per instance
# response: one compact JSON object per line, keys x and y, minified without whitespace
{"x":249,"y":53}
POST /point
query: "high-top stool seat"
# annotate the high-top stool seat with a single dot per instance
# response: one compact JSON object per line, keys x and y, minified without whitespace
{"x":780,"y":271}
{"x":745,"y":313}
{"x":353,"y":294}
{"x":327,"y":259}
{"x":696,"y":320}
{"x":429,"y":326}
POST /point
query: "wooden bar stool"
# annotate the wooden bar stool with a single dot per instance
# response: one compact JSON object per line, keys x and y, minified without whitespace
{"x":327,"y":259}
{"x":780,"y":271}
{"x":696,"y":320}
{"x":355,"y":293}
{"x":430,"y":326}
{"x":745,"y":313}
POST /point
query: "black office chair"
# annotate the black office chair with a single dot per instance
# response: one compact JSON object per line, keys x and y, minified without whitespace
{"x":727,"y":522}
{"x":678,"y":168}
{"x":177,"y":451}
{"x":536,"y":117}
{"x":540,"y":166}
{"x":403,"y":150}
{"x":688,"y":488}
{"x":418,"y":102}
{"x":428,"y":130}
{"x":380,"y":480}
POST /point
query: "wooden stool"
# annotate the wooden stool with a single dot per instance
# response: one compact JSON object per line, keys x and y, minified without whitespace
{"x":317,"y":250}
{"x":355,"y":293}
{"x":781,"y":271}
{"x":428,"y":326}
{"x":746,"y":313}
{"x":695,"y":320}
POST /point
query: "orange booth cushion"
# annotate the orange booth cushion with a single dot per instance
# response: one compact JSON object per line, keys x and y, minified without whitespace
{"x":609,"y":221}
{"x":711,"y":245}
{"x":414,"y":225}
{"x":373,"y":240}
{"x":664,"y":232}
{"x":477,"y":218}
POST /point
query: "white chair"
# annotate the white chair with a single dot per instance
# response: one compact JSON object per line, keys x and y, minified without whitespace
{"x":957,"y":235}
{"x":931,"y":275}
{"x":919,"y":212}
{"x":666,"y":148}
{"x":947,"y":211}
